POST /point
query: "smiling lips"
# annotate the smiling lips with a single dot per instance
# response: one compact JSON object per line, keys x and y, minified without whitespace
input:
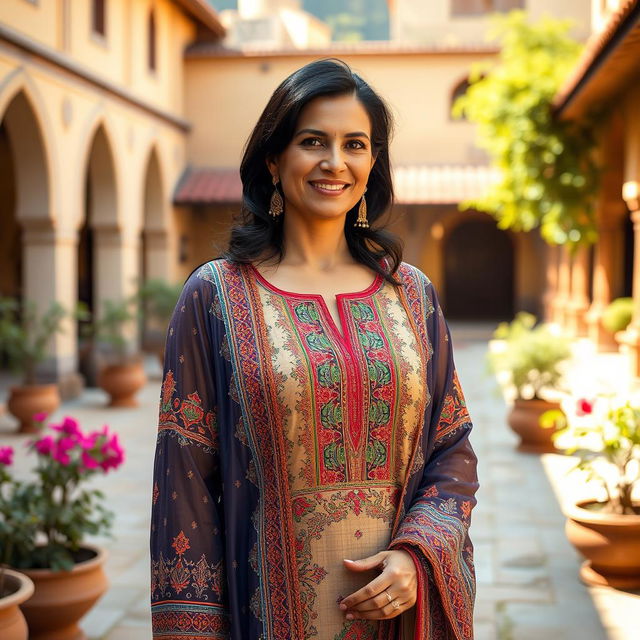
{"x":330,"y":188}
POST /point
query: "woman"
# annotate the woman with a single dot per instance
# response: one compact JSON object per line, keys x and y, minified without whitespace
{"x":314,"y":477}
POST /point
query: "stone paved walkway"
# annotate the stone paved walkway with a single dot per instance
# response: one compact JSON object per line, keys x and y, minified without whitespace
{"x":527,"y":572}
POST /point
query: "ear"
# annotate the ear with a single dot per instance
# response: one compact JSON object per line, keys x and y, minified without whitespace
{"x":272,"y":166}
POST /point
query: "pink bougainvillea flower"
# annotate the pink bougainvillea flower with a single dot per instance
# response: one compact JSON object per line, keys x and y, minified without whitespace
{"x":113,"y":453}
{"x":6,"y":456}
{"x":61,"y":453}
{"x":45,"y":445}
{"x":584,"y":407}
{"x":89,"y":462}
{"x":40,"y":417}
{"x":69,"y":426}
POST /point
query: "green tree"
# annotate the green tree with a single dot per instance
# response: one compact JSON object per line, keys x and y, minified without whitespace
{"x":548,"y":170}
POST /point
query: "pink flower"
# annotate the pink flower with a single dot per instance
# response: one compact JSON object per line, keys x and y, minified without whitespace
{"x":61,"y":453}
{"x":113,"y":452}
{"x":40,"y":417}
{"x":584,"y":407}
{"x":6,"y":456}
{"x":69,"y":426}
{"x":45,"y":445}
{"x":89,"y":462}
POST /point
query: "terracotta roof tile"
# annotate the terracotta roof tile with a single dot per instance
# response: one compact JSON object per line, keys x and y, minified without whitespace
{"x":595,"y":50}
{"x":420,"y":184}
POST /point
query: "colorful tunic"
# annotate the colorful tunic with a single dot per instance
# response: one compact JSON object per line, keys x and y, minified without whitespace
{"x":287,"y":443}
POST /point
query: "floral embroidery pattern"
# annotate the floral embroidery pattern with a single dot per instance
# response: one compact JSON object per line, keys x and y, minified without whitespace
{"x":454,"y":415}
{"x":174,"y":576}
{"x":186,"y":417}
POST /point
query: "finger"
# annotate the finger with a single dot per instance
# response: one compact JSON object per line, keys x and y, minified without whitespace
{"x":377,"y":602}
{"x":370,"y":590}
{"x":385,"y":613}
{"x":365,"y":564}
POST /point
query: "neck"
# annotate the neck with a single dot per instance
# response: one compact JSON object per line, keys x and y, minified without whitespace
{"x":318,"y":244}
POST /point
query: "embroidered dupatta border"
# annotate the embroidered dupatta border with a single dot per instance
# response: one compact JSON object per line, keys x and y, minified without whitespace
{"x":248,"y":345}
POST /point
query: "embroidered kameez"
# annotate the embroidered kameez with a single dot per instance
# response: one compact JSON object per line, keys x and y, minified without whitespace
{"x":288,"y":443}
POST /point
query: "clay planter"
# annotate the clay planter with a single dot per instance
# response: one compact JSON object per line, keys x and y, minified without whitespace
{"x":24,"y":402}
{"x":609,"y":542}
{"x":19,"y":587}
{"x":524,"y":420}
{"x":61,"y":598}
{"x":122,"y":382}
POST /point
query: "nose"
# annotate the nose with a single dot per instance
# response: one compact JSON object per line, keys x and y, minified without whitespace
{"x":334,"y":159}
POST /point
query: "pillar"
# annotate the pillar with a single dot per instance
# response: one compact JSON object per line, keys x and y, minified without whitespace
{"x":561,"y":302}
{"x":49,"y":259}
{"x":630,"y":339}
{"x":551,"y":286}
{"x":578,"y":304}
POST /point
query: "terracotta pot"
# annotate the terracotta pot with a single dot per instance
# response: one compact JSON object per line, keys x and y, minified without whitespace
{"x":524,"y":420}
{"x":61,"y":598}
{"x":610,"y":543}
{"x":24,"y":402}
{"x":122,"y":382}
{"x":13,"y":626}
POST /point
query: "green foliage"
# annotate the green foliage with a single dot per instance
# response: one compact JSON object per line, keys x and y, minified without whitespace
{"x":531,"y":356}
{"x":605,"y":436}
{"x":111,"y":328}
{"x":548,"y":172}
{"x":25,"y":334}
{"x":158,"y":298}
{"x":618,"y":314}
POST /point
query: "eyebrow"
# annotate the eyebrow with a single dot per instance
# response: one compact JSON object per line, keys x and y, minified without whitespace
{"x":317,"y":132}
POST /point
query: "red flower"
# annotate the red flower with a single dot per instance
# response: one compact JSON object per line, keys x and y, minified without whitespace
{"x":584,"y":407}
{"x":6,"y":456}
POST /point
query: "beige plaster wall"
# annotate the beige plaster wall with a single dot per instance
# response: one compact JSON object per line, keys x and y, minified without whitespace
{"x":433,"y":22}
{"x":121,"y":55}
{"x":225,"y":96}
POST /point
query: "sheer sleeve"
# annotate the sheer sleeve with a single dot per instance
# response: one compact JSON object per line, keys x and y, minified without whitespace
{"x":435,"y":528}
{"x":187,"y":529}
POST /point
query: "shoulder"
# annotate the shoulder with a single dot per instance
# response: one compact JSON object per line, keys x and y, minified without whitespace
{"x":209,"y":276}
{"x":410,"y":275}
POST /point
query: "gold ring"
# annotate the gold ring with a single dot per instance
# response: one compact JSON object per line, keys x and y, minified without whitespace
{"x":386,"y":593}
{"x":396,"y":604}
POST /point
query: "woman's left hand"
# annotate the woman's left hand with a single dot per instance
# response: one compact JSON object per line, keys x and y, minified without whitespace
{"x":387,"y":595}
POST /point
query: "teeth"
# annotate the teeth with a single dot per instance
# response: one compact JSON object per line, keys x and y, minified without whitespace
{"x":330,"y":187}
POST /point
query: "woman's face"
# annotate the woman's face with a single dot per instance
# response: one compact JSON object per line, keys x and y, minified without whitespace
{"x":325,"y":168}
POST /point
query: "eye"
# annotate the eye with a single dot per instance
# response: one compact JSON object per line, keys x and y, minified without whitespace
{"x":356,"y":144}
{"x":311,"y":142}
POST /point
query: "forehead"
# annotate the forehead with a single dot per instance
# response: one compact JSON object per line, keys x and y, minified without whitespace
{"x":335,"y":114}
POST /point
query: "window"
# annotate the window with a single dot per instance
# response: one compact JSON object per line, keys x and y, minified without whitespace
{"x":151,"y":41}
{"x":480,"y":7}
{"x":459,"y":90}
{"x":98,"y":18}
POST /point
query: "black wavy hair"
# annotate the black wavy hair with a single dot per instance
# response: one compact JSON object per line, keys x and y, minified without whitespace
{"x":255,"y":233}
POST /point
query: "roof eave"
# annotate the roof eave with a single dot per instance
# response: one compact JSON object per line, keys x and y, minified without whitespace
{"x":204,"y":14}
{"x":575,"y":98}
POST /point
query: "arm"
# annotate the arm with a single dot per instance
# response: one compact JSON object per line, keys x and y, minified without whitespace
{"x":435,"y":528}
{"x":187,"y":529}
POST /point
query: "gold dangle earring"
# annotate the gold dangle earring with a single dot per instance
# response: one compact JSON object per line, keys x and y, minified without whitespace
{"x":276,"y":206}
{"x":362,"y":221}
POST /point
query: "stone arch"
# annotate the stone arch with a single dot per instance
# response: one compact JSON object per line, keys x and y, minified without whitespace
{"x":25,"y":188}
{"x":478,"y":268}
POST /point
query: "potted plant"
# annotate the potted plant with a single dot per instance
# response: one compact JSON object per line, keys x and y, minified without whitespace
{"x":24,"y":338}
{"x":16,"y":523}
{"x":122,"y":375}
{"x":527,"y":360}
{"x":158,"y":298}
{"x":68,"y":573}
{"x":604,"y":434}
